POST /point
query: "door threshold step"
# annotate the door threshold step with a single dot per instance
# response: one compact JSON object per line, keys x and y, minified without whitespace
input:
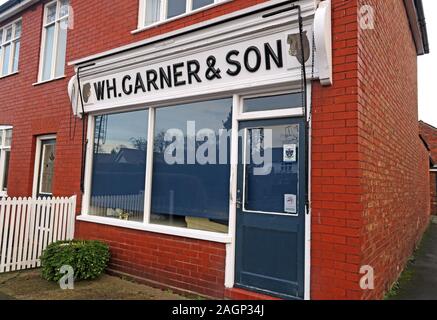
{"x":241,"y":294}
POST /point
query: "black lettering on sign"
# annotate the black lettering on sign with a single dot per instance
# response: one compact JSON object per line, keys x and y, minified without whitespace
{"x":165,"y":77}
{"x":112,"y":88}
{"x":257,"y":53}
{"x":151,"y":76}
{"x":127,"y":89}
{"x":234,"y":63}
{"x":270,"y":54}
{"x":177,"y":74}
{"x":99,"y":88}
{"x":193,"y":68}
{"x":139,"y":84}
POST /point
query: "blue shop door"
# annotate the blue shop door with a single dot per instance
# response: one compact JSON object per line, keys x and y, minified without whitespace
{"x":270,"y":238}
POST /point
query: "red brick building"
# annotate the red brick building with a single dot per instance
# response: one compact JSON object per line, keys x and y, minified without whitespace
{"x":95,"y":99}
{"x":429,"y":135}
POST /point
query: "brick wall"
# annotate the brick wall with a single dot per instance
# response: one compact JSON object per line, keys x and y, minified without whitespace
{"x":370,"y":200}
{"x":336,"y":185}
{"x":189,"y":264}
{"x":394,"y":161}
{"x":433,"y":192}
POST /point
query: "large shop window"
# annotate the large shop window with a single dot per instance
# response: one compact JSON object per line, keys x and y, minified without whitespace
{"x":191,"y":165}
{"x":155,"y":11}
{"x":10,"y":48}
{"x":5,"y":153}
{"x":190,"y":171}
{"x":54,"y":40}
{"x":119,"y":164}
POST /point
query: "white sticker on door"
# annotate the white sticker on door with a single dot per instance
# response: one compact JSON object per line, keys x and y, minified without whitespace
{"x":290,"y":153}
{"x":290,"y":205}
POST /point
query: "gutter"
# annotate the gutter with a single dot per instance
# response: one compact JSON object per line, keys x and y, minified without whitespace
{"x":422,"y":25}
{"x":416,"y":16}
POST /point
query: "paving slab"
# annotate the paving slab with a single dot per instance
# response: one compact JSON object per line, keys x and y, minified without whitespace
{"x":422,"y":282}
{"x":29,"y":285}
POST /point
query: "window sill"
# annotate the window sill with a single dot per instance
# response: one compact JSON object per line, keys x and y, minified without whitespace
{"x":9,"y":75}
{"x":50,"y":80}
{"x":168,"y":230}
{"x":159,"y":23}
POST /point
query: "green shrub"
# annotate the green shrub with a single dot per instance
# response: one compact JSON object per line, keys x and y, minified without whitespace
{"x":88,"y":259}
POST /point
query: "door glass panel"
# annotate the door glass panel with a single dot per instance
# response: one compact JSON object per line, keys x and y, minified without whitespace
{"x":271,"y":175}
{"x":285,"y":101}
{"x":47,"y":168}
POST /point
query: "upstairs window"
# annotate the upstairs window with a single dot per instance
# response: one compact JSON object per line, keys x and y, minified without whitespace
{"x":5,"y":153}
{"x":156,"y":11}
{"x":54,"y":40}
{"x":10,"y":48}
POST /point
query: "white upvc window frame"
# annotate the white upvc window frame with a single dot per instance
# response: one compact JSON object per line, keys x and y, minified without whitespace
{"x":163,"y":12}
{"x":57,"y":22}
{"x":3,"y":149}
{"x":146,"y":224}
{"x":12,"y":42}
{"x":37,"y":170}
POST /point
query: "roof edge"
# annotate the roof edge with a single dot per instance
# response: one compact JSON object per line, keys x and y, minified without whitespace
{"x":13,"y":7}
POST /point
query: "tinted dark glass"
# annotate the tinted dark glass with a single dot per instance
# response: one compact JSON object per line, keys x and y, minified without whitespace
{"x":175,"y":8}
{"x":192,"y":195}
{"x":201,"y":3}
{"x":285,"y":101}
{"x":119,"y":165}
{"x":266,"y":189}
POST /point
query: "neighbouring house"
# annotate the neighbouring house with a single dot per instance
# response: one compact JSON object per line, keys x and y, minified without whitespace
{"x":429,"y":135}
{"x":231,"y":148}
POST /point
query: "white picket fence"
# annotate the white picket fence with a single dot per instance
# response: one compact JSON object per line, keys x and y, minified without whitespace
{"x":29,"y":225}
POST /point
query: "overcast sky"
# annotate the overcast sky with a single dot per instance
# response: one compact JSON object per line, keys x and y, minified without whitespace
{"x":427,"y":69}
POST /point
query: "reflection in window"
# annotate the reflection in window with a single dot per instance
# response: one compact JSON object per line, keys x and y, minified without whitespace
{"x":285,"y":101}
{"x":193,"y":191}
{"x":153,"y":11}
{"x":5,"y":155}
{"x":267,"y":189}
{"x":197,"y":4}
{"x":119,"y":163}
{"x":175,"y":8}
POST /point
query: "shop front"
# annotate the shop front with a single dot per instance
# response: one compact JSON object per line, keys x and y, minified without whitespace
{"x":204,"y":135}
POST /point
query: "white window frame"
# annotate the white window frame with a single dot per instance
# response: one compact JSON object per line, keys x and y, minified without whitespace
{"x":45,"y":25}
{"x":163,"y":12}
{"x":146,"y":224}
{"x":37,"y":165}
{"x":3,"y":150}
{"x":13,"y":41}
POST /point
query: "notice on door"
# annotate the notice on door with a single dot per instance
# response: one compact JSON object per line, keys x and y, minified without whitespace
{"x":290,"y":205}
{"x":289,"y":153}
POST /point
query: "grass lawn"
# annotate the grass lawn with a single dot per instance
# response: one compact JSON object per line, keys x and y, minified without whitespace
{"x":29,"y":285}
